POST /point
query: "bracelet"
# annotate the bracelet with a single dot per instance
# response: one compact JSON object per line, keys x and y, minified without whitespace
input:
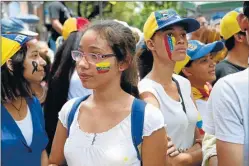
{"x":199,"y":141}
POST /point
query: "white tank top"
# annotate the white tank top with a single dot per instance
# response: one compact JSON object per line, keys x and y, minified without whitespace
{"x":180,"y":125}
{"x":26,"y":127}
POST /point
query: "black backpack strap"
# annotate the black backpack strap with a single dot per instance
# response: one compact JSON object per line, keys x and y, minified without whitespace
{"x":180,"y":93}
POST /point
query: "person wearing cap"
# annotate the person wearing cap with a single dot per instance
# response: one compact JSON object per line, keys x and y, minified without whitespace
{"x":200,"y":70}
{"x":229,"y":114}
{"x":14,"y":25}
{"x":72,"y":24}
{"x":23,"y":136}
{"x":166,"y":43}
{"x":236,"y":44}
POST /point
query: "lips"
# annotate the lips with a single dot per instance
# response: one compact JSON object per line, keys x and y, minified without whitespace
{"x":84,"y":76}
{"x":212,"y":72}
{"x":181,"y":50}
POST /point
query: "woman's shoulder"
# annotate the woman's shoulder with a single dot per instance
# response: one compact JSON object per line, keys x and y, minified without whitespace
{"x":153,"y":119}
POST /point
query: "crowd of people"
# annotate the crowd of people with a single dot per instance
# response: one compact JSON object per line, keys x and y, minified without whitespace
{"x":103,"y":93}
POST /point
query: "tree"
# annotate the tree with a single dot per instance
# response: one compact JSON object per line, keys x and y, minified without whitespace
{"x":134,"y":13}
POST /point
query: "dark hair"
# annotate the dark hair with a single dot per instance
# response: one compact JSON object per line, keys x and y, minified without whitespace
{"x":123,"y":44}
{"x":58,"y":83}
{"x":145,"y":61}
{"x":187,"y":65}
{"x":13,"y":84}
{"x":246,"y":8}
{"x":230,"y":42}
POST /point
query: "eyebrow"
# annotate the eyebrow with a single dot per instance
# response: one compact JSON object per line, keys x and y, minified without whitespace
{"x":36,"y":51}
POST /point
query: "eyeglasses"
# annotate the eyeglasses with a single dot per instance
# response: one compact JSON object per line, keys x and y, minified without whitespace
{"x":90,"y":57}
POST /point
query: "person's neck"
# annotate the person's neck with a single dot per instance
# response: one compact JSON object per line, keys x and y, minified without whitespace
{"x":36,"y":88}
{"x":108,"y":93}
{"x":197,"y":84}
{"x":238,"y":56}
{"x":161,"y":72}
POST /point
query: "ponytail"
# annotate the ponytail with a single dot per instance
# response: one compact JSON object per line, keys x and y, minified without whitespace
{"x":145,"y":62}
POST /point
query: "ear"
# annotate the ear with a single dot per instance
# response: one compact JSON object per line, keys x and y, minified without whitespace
{"x":239,"y":38}
{"x":243,"y":22}
{"x":186,"y":72}
{"x":9,"y":64}
{"x":150,"y":44}
{"x":125,"y":64}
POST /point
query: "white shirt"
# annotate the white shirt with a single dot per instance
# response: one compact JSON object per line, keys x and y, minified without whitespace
{"x":26,"y":127}
{"x":228,"y":111}
{"x":76,"y":88}
{"x":180,"y":126}
{"x":111,"y":148}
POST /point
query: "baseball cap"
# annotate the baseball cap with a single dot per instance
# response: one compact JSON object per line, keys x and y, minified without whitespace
{"x":11,"y":43}
{"x":164,"y":18}
{"x":229,"y":25}
{"x":197,"y":50}
{"x":14,"y":25}
{"x":73,"y":24}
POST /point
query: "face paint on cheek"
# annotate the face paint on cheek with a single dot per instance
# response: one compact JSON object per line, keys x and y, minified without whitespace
{"x":35,"y":66}
{"x":169,"y":42}
{"x":103,"y":67}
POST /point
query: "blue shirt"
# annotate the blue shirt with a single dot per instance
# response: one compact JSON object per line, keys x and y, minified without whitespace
{"x":15,"y":150}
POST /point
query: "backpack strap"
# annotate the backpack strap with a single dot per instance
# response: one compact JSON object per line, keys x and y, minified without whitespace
{"x":73,"y":111}
{"x":137,"y":124}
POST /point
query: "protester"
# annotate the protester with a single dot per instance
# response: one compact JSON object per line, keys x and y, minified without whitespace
{"x":216,"y":19}
{"x":71,"y":25}
{"x":236,"y":44}
{"x":58,"y":13}
{"x":166,"y":43}
{"x":210,"y":35}
{"x":200,"y":71}
{"x":100,"y":132}
{"x":14,"y":25}
{"x":64,"y":82}
{"x":23,"y":136}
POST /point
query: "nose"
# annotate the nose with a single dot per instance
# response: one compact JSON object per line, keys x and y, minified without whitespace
{"x":212,"y":63}
{"x":83,"y":63}
{"x":42,"y":62}
{"x":180,"y":40}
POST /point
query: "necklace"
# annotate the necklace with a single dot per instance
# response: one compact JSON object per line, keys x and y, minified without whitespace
{"x":18,"y":110}
{"x":94,"y":138}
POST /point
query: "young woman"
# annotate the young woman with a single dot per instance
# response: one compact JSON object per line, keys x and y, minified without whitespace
{"x":63,"y":81}
{"x":100,"y":133}
{"x":23,"y":136}
{"x":166,"y":43}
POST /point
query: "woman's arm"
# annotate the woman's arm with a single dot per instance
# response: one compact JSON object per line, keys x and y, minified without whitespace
{"x":57,"y":152}
{"x":44,"y":158}
{"x":154,"y":148}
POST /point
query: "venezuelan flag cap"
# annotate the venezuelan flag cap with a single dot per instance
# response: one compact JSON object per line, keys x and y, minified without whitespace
{"x":164,"y":18}
{"x":11,"y":43}
{"x":73,"y":24}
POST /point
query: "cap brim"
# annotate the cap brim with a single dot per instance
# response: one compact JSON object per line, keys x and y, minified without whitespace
{"x":190,"y":25}
{"x":28,"y":33}
{"x":209,"y":48}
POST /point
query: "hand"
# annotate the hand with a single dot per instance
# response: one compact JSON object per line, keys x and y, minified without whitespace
{"x":183,"y":159}
{"x":172,"y":151}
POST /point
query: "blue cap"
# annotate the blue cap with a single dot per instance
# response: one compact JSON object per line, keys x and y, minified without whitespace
{"x":165,"y":18}
{"x":14,"y":25}
{"x":197,"y":50}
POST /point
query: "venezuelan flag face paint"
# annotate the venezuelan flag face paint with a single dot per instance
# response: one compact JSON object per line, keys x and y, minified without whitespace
{"x":103,"y":67}
{"x":169,"y":42}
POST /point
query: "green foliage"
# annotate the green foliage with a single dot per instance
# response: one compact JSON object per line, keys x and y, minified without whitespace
{"x":134,"y":13}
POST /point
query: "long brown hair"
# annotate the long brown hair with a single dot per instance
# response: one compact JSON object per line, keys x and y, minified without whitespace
{"x":123,"y":44}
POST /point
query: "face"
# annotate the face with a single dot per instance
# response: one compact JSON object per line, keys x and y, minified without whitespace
{"x":244,"y":24}
{"x":159,"y":44}
{"x":202,"y":70}
{"x":33,"y":64}
{"x":202,"y":21}
{"x":98,"y":65}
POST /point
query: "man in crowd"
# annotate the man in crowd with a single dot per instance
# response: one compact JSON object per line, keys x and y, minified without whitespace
{"x":229,"y":114}
{"x":236,"y":44}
